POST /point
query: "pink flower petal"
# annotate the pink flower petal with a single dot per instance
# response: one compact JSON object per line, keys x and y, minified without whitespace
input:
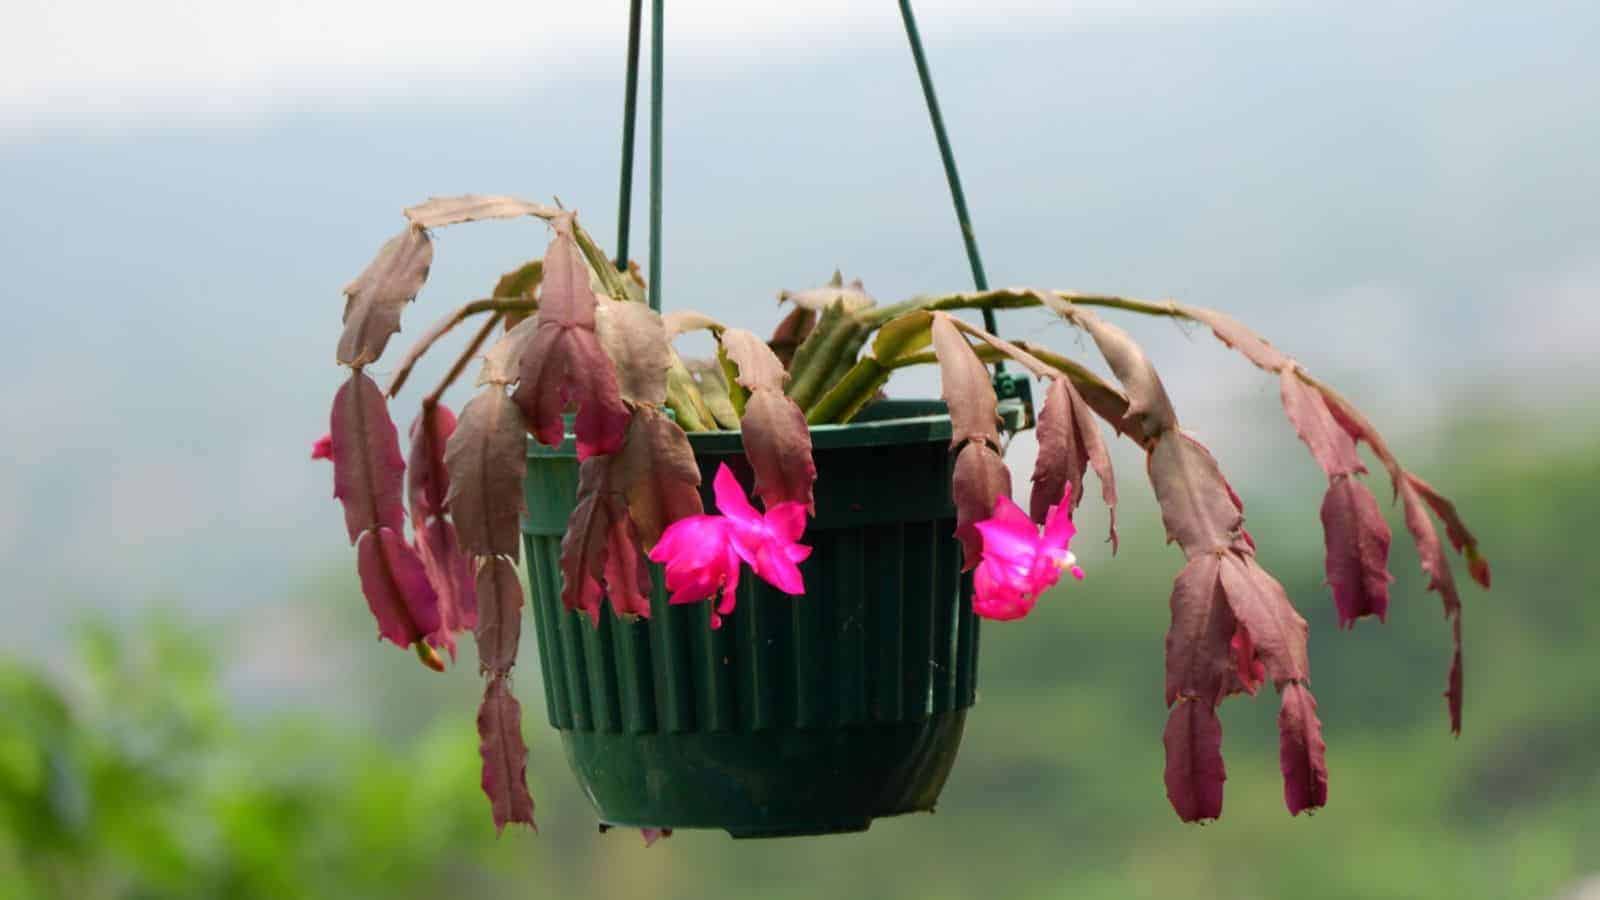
{"x":1009,"y":535}
{"x":699,"y":557}
{"x":787,"y":521}
{"x":692,"y":537}
{"x":995,"y":596}
{"x":1058,"y":527}
{"x":1019,"y":564}
{"x":730,"y":497}
{"x":323,"y":447}
{"x":774,"y":566}
{"x":1041,"y":577}
{"x":703,"y":554}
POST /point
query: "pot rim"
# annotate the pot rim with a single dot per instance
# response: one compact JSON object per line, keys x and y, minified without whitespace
{"x":884,"y":423}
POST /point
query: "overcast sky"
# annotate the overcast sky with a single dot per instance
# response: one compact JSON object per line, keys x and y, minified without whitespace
{"x":95,"y":64}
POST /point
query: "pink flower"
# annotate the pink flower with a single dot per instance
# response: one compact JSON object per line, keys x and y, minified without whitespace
{"x":323,"y":448}
{"x":1019,"y":563}
{"x":702,"y":554}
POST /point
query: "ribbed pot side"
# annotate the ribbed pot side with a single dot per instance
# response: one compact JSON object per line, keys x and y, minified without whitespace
{"x":801,"y":715}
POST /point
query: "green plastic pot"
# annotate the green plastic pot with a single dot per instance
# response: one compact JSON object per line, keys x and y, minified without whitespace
{"x":801,"y":715}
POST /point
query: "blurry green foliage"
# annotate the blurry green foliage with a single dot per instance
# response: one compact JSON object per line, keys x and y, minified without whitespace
{"x":133,"y":779}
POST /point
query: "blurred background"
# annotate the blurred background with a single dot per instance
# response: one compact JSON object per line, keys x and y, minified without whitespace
{"x":1403,"y":196}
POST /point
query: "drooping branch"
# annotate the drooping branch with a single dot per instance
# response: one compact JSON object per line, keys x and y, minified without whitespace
{"x":375,"y":297}
{"x":1357,"y":539}
{"x":437,"y":212}
{"x":442,"y":327}
{"x":467,"y":354}
{"x":1355,"y":535}
{"x":1204,"y":516}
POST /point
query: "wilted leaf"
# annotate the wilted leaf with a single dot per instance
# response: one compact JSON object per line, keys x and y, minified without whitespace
{"x":1198,"y":640}
{"x":632,"y":284}
{"x":1195,"y":772}
{"x":634,"y":338}
{"x":1301,"y":752}
{"x":376,"y":296}
{"x":1330,"y":444}
{"x":713,"y":388}
{"x":1405,"y":482}
{"x":1107,"y":402}
{"x":1062,"y":459}
{"x":499,"y":627}
{"x":903,"y":335}
{"x":396,"y":587}
{"x":627,"y":578}
{"x":1232,"y":332}
{"x":980,"y":478}
{"x":993,"y":299}
{"x":567,"y":297}
{"x":685,"y":398}
{"x":1197,"y":505}
{"x":1247,"y":672}
{"x":520,"y":283}
{"x":1429,"y":549}
{"x":850,"y":298}
{"x":755,"y":365}
{"x":600,"y":545}
{"x":1455,"y":529}
{"x":791,"y":333}
{"x":964,"y":383}
{"x":657,"y":473}
{"x":368,"y":470}
{"x":505,"y":756}
{"x":1357,"y":540}
{"x":778,"y":444}
{"x":1147,"y":398}
{"x":437,"y":212}
{"x":738,"y":394}
{"x":564,"y":363}
{"x":427,"y":479}
{"x":503,"y":362}
{"x":683,"y":321}
{"x":1069,"y":443}
{"x":1452,"y":691}
{"x":1440,"y":579}
{"x":1261,"y":605}
{"x":449,"y":571}
{"x":586,"y":543}
{"x":486,"y":458}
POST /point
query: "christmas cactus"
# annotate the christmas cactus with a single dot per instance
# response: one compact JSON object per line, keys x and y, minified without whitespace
{"x":575,"y":337}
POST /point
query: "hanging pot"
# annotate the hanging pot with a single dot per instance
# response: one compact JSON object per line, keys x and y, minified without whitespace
{"x":800,"y":715}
